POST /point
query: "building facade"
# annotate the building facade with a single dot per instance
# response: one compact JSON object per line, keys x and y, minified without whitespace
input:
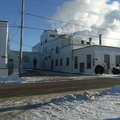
{"x":3,"y":48}
{"x":27,"y":61}
{"x":64,"y":54}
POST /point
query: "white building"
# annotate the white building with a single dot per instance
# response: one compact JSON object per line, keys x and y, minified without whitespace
{"x":3,"y":48}
{"x":27,"y":61}
{"x":62,"y":53}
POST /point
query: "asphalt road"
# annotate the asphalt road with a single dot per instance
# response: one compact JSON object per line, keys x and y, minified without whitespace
{"x":30,"y":89}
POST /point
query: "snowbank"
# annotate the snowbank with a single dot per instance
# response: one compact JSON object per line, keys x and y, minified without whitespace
{"x":15,"y":79}
{"x":11,"y":80}
{"x":114,"y":90}
{"x":86,"y":106}
{"x":75,"y":97}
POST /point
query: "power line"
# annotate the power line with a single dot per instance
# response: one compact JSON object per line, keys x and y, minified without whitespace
{"x":11,"y":40}
{"x":35,"y":5}
{"x":26,"y":27}
{"x":97,"y":36}
{"x":34,"y":28}
{"x":16,"y":32}
{"x":45,"y":29}
{"x":17,"y":13}
{"x":66,"y":22}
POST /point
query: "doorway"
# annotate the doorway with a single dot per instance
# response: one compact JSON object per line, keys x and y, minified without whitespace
{"x":10,"y":66}
{"x":82,"y":67}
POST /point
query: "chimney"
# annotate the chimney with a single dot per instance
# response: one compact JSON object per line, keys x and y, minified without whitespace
{"x":100,"y":39}
{"x":90,"y":41}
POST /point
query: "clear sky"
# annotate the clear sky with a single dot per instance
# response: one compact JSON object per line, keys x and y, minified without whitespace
{"x":11,"y":10}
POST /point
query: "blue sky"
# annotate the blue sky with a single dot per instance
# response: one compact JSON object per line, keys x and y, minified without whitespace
{"x":10,"y":10}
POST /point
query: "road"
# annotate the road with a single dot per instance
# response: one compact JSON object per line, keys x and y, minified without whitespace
{"x":29,"y":89}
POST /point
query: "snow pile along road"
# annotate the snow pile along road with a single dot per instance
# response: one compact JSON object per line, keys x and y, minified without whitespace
{"x":11,"y":80}
{"x":114,"y":90}
{"x":87,"y":106}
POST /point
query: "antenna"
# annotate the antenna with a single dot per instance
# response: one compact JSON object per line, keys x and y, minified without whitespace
{"x":21,"y":39}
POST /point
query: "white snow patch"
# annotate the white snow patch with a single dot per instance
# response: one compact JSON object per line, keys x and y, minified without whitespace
{"x":11,"y":80}
{"x":15,"y":79}
{"x":114,"y":90}
{"x":103,"y":105}
{"x":86,"y":106}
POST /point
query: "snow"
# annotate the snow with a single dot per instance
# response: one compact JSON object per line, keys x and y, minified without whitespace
{"x":85,"y":106}
{"x":11,"y":80}
{"x":114,"y":90}
{"x":103,"y":105}
{"x":15,"y":79}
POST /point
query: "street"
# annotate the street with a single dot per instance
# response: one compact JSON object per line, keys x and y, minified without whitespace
{"x":30,"y":89}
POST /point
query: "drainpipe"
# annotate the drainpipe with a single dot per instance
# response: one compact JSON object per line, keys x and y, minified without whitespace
{"x":100,"y":39}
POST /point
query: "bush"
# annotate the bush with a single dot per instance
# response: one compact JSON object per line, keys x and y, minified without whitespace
{"x":99,"y":69}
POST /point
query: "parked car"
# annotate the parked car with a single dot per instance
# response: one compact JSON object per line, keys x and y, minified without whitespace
{"x":116,"y":70}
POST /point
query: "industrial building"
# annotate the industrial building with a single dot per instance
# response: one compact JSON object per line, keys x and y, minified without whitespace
{"x":58,"y":52}
{"x":64,"y":54}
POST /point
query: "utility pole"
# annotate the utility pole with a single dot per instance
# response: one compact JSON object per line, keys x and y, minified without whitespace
{"x":21,"y":39}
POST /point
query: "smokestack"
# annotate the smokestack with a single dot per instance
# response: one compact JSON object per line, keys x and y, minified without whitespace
{"x":90,"y":41}
{"x":100,"y":39}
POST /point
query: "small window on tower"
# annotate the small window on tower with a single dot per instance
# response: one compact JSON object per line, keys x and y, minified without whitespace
{"x":51,"y":35}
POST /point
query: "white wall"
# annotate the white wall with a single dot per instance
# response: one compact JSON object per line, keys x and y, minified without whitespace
{"x":71,"y":48}
{"x":46,"y":35}
{"x":82,"y":58}
{"x":36,"y":48}
{"x":112,"y":51}
{"x":97,"y":53}
{"x":3,"y":47}
{"x":64,"y":53}
{"x":27,"y":62}
{"x":13,"y":62}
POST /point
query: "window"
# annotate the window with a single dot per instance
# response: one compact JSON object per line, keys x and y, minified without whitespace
{"x":117,"y":60}
{"x":82,"y":41}
{"x":76,"y":62}
{"x":107,"y":60}
{"x":67,"y":61}
{"x":56,"y":62}
{"x":51,"y":35}
{"x":61,"y":62}
{"x":88,"y":61}
{"x":46,"y":41}
{"x":57,"y":50}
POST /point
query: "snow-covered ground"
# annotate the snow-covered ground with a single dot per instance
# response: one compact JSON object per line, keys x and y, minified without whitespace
{"x":49,"y":78}
{"x":11,"y":80}
{"x":103,"y":105}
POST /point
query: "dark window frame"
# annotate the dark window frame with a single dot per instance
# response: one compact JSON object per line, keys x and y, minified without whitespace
{"x":89,"y":61}
{"x":56,"y":62}
{"x":61,"y":62}
{"x":76,"y":62}
{"x":51,"y":35}
{"x":67,"y":61}
{"x":117,"y":59}
{"x":107,"y":60}
{"x":57,"y":50}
